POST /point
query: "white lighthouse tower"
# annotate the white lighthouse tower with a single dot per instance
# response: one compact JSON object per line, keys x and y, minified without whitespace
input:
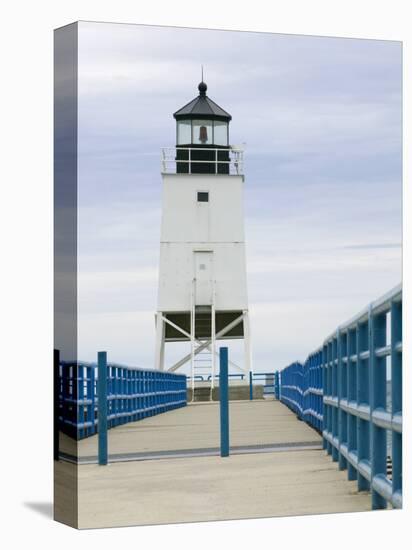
{"x":202,"y":278}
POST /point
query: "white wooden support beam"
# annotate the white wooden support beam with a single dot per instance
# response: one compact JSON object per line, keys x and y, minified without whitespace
{"x":200,"y":348}
{"x":180,"y":329}
{"x":160,"y":342}
{"x":246,"y":336}
{"x":192,"y":338}
{"x":213,"y":344}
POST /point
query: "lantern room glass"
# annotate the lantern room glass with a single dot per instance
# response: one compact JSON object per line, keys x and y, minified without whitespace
{"x":220,"y":133}
{"x":202,"y":132}
{"x":184,"y":132}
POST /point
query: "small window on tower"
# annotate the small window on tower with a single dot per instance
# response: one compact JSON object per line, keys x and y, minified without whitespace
{"x":202,"y":196}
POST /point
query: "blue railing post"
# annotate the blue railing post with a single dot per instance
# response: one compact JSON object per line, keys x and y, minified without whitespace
{"x":56,"y":403}
{"x":396,"y":393}
{"x":335,"y":422}
{"x":102,"y":406}
{"x":276,"y":385}
{"x":79,"y":380}
{"x":362,"y":398}
{"x":352,"y":442}
{"x":341,"y":415}
{"x":377,"y":381}
{"x":329,"y":392}
{"x":250,"y":385}
{"x":325,"y":418}
{"x":224,"y":402}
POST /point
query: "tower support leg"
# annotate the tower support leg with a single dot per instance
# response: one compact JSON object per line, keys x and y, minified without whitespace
{"x":160,"y":342}
{"x":213,"y":344}
{"x":192,"y":339}
{"x":246,"y":335}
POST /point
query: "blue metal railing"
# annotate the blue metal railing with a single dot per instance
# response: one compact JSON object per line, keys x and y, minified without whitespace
{"x":276,"y":386}
{"x":291,"y":388}
{"x":265,"y":379}
{"x":234,"y":375}
{"x":132,"y":394}
{"x":341,"y":390}
{"x":224,"y":402}
{"x":301,"y":389}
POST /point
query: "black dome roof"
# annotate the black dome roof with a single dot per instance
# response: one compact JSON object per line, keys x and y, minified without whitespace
{"x":202,"y":106}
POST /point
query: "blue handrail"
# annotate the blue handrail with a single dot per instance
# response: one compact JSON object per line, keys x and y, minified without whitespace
{"x":132,"y":394}
{"x":234,"y":375}
{"x":341,"y":390}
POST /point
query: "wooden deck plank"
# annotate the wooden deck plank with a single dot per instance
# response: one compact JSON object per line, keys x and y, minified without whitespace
{"x":212,"y":488}
{"x":204,"y":488}
{"x":197,"y":426}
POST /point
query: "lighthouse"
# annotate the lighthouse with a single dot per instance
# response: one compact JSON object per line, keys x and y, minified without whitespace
{"x":202,"y":295}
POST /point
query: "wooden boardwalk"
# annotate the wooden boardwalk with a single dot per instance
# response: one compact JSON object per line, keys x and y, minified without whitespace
{"x":252,"y":423}
{"x":294,"y":477}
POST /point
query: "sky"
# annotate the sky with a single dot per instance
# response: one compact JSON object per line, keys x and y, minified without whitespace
{"x":321,"y":122}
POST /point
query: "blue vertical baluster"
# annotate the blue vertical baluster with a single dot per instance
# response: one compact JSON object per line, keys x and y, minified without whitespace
{"x":396,"y":393}
{"x":145,"y":390}
{"x":329,"y":393}
{"x":276,"y":383}
{"x":344,"y":396}
{"x":335,"y":422}
{"x":339,"y":385}
{"x":250,"y":385}
{"x":143,"y":395}
{"x":93,"y":399}
{"x":131,"y":395}
{"x":75,"y":389}
{"x":136,"y":395}
{"x":352,"y":443}
{"x":325,"y":393}
{"x":87,"y":406}
{"x":113,"y":396}
{"x":377,"y":401}
{"x":80,"y":401}
{"x":280,"y":385}
{"x":123,"y":390}
{"x":157,"y":392}
{"x":102,"y":406}
{"x":331,"y":407}
{"x":321,"y":386}
{"x":56,"y":403}
{"x":362,"y":376}
{"x":120,"y":400}
{"x":63,"y":393}
{"x":224,"y":402}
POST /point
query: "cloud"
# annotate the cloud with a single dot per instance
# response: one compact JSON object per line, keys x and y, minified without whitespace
{"x":372,"y":246}
{"x":321,"y":118}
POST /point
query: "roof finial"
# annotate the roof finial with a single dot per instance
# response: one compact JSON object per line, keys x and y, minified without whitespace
{"x":202,"y":86}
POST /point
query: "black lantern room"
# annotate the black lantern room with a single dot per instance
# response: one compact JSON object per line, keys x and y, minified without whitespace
{"x":202,"y":136}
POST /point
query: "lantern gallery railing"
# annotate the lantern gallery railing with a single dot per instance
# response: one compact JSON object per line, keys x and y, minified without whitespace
{"x":202,"y":160}
{"x":352,"y":386}
{"x":132,"y":394}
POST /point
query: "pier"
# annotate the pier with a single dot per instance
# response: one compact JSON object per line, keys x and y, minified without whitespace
{"x":167,"y":467}
{"x":323,"y":436}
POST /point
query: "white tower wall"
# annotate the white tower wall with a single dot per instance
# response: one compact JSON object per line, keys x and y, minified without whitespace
{"x":202,"y":241}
